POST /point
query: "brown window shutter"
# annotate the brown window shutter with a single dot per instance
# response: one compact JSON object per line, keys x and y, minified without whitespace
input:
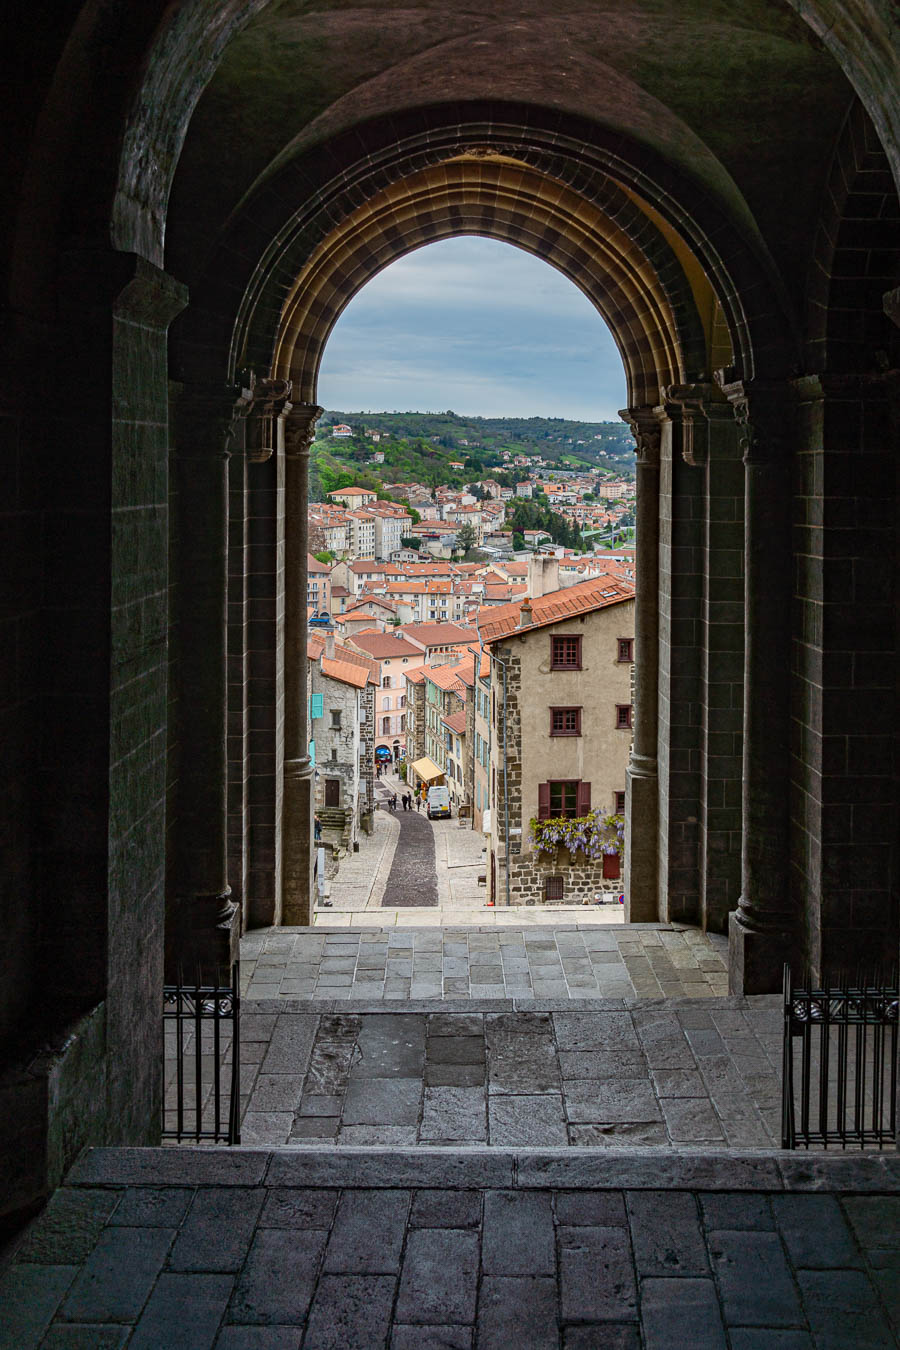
{"x":543,"y":801}
{"x":610,"y":866}
{"x":584,"y":798}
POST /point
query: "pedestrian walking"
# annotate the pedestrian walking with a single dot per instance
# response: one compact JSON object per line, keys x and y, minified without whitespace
{"x":393,"y":801}
{"x":418,"y":802}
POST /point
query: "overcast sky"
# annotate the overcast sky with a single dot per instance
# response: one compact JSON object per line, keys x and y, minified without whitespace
{"x":477,"y":326}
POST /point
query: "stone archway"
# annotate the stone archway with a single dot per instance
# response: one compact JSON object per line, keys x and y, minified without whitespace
{"x":96,"y":758}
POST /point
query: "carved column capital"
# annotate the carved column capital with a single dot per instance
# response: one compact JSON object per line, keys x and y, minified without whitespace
{"x":270,"y":402}
{"x":763,"y":411}
{"x":300,"y":428}
{"x":691,"y":408}
{"x":206,"y":417}
{"x":646,"y":427}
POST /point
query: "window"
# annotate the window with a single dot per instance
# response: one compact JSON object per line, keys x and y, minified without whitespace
{"x":565,"y":721}
{"x":385,"y":726}
{"x":618,"y":803}
{"x":565,"y":652}
{"x":386,"y":682}
{"x":623,"y":715}
{"x":554,"y":888}
{"x":335,"y":719}
{"x":563,"y":797}
{"x":626,"y":649}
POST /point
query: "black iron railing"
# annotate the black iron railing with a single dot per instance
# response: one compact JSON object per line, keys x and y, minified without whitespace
{"x":840,"y":1062}
{"x":201,"y":1024}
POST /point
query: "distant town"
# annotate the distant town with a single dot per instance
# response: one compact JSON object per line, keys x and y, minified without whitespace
{"x":435,"y":541}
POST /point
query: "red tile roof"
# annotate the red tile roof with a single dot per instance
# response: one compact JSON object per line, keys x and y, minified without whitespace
{"x":382,"y":645}
{"x":500,"y":621}
{"x":456,"y":722}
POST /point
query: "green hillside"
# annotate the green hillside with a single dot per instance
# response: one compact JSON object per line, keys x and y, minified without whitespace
{"x":419,"y":447}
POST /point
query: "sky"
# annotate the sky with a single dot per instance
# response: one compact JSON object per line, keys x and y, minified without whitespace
{"x":474,"y":325}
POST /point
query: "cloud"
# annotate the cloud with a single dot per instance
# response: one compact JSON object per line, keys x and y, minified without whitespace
{"x":476,"y":325}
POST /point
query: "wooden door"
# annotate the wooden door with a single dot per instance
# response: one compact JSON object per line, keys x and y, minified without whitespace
{"x":332,"y":792}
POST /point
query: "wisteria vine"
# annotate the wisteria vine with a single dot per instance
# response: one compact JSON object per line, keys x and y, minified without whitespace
{"x":593,"y":834}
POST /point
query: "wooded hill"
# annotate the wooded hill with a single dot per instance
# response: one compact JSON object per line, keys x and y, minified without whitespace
{"x":419,"y":448}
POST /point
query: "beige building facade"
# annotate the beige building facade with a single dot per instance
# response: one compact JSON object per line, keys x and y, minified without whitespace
{"x":560,"y":734}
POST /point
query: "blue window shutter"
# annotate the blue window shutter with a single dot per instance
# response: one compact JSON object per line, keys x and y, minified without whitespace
{"x":317,"y":706}
{"x":312,"y":754}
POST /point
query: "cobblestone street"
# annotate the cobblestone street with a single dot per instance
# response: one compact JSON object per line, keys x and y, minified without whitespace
{"x":444,"y":1250}
{"x":412,"y":880}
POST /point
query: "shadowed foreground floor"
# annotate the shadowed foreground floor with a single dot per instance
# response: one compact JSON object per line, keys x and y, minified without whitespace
{"x":463,"y":1250}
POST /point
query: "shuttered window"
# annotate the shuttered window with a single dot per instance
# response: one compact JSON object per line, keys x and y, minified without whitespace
{"x":563,"y":798}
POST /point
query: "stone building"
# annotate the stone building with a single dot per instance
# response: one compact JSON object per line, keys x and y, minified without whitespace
{"x":187,"y":210}
{"x":561,"y":733}
{"x":342,"y":704}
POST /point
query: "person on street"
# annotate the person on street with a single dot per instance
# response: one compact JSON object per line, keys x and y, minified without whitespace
{"x":418,"y":802}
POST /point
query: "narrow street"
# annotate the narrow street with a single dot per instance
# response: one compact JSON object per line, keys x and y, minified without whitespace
{"x":412,"y":880}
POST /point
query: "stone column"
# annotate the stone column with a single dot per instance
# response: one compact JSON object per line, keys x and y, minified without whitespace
{"x":203,"y":923}
{"x":762,"y":932}
{"x":642,"y":783}
{"x":298,"y":798}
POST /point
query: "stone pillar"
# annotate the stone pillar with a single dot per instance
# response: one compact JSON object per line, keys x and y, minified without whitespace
{"x":763,"y":930}
{"x":263,"y":767}
{"x":299,"y":792}
{"x":203,"y":922}
{"x":683,"y":455}
{"x":642,"y":781}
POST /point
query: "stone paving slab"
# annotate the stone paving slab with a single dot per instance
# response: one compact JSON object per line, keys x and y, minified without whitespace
{"x":565,"y":960}
{"x":571,"y":1074}
{"x":381,"y":1250}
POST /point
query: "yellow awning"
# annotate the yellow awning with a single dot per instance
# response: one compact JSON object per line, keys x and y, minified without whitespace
{"x":427,"y":769}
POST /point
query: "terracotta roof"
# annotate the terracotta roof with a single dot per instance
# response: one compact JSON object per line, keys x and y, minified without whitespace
{"x":437,"y":634}
{"x":313,"y":565}
{"x":553,"y":608}
{"x":382,"y":645}
{"x":315,"y":646}
{"x":447,"y":677}
{"x":338,"y":591}
{"x":369,"y":565}
{"x":345,"y":672}
{"x":456,"y":722}
{"x":416,"y":676}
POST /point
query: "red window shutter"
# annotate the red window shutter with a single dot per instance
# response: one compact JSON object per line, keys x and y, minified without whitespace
{"x":610,"y":866}
{"x":584,"y":798}
{"x":543,"y":801}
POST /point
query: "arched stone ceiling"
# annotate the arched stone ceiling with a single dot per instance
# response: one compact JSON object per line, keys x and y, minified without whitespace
{"x":740,"y":99}
{"x":654,"y":321}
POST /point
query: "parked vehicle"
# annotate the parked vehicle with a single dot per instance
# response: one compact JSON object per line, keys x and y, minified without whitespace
{"x":439,"y":803}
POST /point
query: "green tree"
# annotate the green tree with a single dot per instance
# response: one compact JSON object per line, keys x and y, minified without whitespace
{"x":466,"y":537}
{"x":410,"y":541}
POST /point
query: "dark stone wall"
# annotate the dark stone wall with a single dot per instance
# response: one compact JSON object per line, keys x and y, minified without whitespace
{"x":20,"y":598}
{"x":845,"y":710}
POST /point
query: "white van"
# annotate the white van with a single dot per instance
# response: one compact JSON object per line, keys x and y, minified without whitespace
{"x":438,"y":802}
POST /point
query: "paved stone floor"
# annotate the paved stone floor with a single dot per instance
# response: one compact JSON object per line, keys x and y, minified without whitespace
{"x":601,"y":1074}
{"x":244,"y":1250}
{"x":565,"y":961}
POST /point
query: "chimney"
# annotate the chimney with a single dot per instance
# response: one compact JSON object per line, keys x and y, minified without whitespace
{"x":525,"y":613}
{"x":543,"y":576}
{"x":329,"y":646}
